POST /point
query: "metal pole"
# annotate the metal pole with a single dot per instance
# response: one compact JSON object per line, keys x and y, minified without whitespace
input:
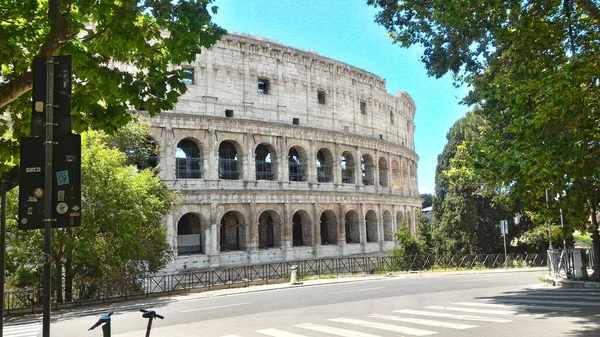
{"x":549,"y":231}
{"x":562,"y":225}
{"x":505,"y":261}
{"x":2,"y":249}
{"x":48,"y":193}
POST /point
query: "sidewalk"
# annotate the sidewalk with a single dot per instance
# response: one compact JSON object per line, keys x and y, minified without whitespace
{"x":566,"y":283}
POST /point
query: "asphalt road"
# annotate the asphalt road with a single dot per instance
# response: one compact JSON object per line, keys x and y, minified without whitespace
{"x":487,"y":304}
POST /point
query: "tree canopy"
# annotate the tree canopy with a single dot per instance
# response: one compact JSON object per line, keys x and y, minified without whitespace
{"x":533,"y":71}
{"x":123,"y":55}
{"x":122,"y":236}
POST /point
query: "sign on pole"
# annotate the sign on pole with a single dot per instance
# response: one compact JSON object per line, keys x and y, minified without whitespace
{"x":503,"y":227}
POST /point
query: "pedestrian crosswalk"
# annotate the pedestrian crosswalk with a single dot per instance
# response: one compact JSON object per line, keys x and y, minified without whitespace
{"x":437,"y":319}
{"x":22,"y":330}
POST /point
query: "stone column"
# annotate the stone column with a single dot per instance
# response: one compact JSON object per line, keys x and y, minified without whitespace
{"x":337,"y":169}
{"x":311,"y":163}
{"x":389,"y":174}
{"x":395,"y":223}
{"x":316,"y":231}
{"x":363,"y":227}
{"x":252,"y":236}
{"x":167,"y":157}
{"x":283,"y":161}
{"x":286,"y":234}
{"x":376,"y":172}
{"x":211,"y":171}
{"x":358,"y":167}
{"x":341,"y":229}
{"x":249,"y":158}
{"x":380,"y":220}
{"x":213,"y":256}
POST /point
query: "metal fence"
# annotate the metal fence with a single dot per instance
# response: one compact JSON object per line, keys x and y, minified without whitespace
{"x":31,"y":300}
{"x":561,"y":262}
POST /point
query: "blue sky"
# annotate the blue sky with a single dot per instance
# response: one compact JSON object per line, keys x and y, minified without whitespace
{"x":345,"y":30}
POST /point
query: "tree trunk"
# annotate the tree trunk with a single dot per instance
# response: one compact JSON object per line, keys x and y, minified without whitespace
{"x":595,"y":243}
{"x":58,"y":282}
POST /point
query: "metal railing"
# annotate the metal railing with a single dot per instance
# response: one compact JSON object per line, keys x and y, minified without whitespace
{"x":561,"y":262}
{"x":31,"y":300}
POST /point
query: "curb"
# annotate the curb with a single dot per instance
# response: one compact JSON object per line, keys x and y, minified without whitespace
{"x":571,"y":284}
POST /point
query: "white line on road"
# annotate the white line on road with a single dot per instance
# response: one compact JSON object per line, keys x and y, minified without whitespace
{"x":278,"y":333}
{"x":473,"y":310}
{"x":452,"y":316}
{"x":426,"y":322}
{"x":334,"y":331}
{"x":231,"y":336}
{"x":515,"y":306}
{"x":549,"y":302}
{"x":216,"y":307}
{"x":352,"y":291}
{"x":388,"y":327}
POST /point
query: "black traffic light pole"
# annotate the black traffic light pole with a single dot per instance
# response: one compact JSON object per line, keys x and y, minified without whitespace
{"x":48,"y":193}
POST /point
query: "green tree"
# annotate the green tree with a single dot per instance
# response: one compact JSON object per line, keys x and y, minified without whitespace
{"x":427,"y":199}
{"x":122,"y":236}
{"x":533,"y":70}
{"x":122,"y":51}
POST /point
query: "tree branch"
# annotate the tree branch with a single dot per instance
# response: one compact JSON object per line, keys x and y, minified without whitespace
{"x":60,"y":32}
{"x":590,"y":9}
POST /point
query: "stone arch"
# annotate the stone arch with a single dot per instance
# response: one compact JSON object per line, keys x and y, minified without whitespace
{"x":151,"y":152}
{"x":230,"y":161}
{"x":371,"y":226}
{"x":404,"y":174}
{"x":388,"y":234}
{"x":352,"y":225}
{"x":301,"y":229}
{"x":396,"y":177}
{"x":297,"y":160}
{"x":399,"y":219}
{"x":328,"y":228}
{"x":232,"y":232}
{"x":188,"y":160}
{"x":265,"y":161}
{"x":347,"y":167}
{"x":383,"y":172}
{"x":409,"y":221}
{"x":190,"y":234}
{"x":366,"y":163}
{"x":324,"y":165}
{"x":269,"y":230}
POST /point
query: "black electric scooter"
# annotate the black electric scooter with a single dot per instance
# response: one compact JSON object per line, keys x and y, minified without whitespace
{"x":149,"y":314}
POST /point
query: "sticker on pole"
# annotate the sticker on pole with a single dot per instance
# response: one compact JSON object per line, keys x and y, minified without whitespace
{"x":62,"y":178}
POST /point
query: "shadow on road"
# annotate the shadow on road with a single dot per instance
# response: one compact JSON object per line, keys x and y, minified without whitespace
{"x":544,"y":303}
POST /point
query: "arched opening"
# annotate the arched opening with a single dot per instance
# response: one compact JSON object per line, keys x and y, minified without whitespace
{"x":301,"y":229}
{"x":297,"y":160}
{"x":404,"y":175}
{"x":399,"y":219}
{"x":189,"y":235}
{"x":371,"y":226}
{"x":410,"y":222}
{"x":366,"y":163}
{"x":269,"y":230}
{"x":395,"y":175}
{"x":347,"y":168}
{"x":264,"y":160}
{"x":388,"y":234}
{"x":324,"y":166}
{"x":352,"y":227}
{"x":232,"y":235}
{"x":328,"y":226}
{"x":228,"y":161}
{"x":188,"y":160}
{"x":383,"y":172}
{"x":147,"y":156}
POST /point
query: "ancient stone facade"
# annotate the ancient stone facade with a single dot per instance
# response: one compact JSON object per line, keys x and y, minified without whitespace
{"x":282,"y":154}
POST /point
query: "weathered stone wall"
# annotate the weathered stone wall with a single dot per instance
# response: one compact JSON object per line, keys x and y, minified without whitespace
{"x":276,"y":219}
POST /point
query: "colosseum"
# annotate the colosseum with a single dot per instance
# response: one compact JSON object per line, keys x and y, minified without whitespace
{"x":282,"y":154}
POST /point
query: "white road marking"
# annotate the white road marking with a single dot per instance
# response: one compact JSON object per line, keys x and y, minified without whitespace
{"x":452,"y":316}
{"x":216,"y":307}
{"x":473,"y":310}
{"x":388,"y":327}
{"x":25,"y":330}
{"x":278,"y":333}
{"x":426,"y":322}
{"x":357,"y":290}
{"x":550,"y":302}
{"x":515,"y":306}
{"x":231,"y":336}
{"x":334,"y":331}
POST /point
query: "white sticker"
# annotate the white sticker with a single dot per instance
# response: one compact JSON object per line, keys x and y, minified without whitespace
{"x":62,"y":208}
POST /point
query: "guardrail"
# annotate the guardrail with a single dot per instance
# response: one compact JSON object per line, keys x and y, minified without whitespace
{"x":561,"y":263}
{"x":30,"y":300}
